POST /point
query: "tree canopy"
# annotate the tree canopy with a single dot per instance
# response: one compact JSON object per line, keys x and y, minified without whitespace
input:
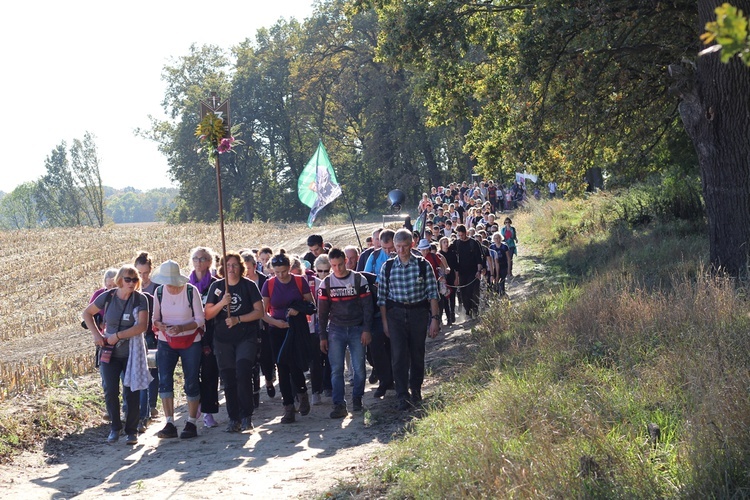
{"x":420,"y":93}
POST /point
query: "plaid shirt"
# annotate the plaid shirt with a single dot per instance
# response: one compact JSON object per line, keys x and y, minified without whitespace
{"x":405,"y":284}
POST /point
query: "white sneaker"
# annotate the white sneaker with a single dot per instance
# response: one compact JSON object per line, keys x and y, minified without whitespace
{"x":316,"y":399}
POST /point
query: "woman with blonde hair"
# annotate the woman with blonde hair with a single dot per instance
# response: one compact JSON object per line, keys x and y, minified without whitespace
{"x":122,"y":348}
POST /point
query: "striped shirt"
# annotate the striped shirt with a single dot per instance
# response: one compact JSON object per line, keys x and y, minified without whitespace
{"x":405,"y":285}
{"x":342,"y":303}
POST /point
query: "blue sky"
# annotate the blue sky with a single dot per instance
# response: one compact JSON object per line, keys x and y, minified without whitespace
{"x":77,"y":66}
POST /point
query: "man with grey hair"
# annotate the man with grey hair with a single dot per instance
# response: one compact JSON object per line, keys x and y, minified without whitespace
{"x":352,"y":257}
{"x":408,"y":301}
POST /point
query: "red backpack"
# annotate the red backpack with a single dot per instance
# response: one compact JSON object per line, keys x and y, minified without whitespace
{"x":272,"y":281}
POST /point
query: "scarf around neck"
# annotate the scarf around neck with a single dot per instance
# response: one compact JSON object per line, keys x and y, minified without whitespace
{"x":202,"y":284}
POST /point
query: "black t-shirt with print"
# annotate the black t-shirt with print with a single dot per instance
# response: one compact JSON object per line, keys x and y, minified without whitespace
{"x":244,"y":295}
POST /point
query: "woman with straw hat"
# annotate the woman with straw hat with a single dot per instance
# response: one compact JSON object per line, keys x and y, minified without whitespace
{"x":178,"y":320}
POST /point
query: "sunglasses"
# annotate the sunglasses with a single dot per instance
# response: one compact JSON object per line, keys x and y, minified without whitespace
{"x":128,"y":279}
{"x":323,"y":270}
{"x":276,"y":261}
{"x":201,"y":259}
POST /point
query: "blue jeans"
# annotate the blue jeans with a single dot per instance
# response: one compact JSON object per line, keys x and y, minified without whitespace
{"x":339,"y":338}
{"x":111,"y":373}
{"x":166,"y":360}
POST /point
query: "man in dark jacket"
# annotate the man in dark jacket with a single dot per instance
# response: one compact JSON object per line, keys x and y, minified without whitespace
{"x":470,"y":264}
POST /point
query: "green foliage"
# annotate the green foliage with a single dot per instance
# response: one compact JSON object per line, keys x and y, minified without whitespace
{"x":71,"y":192}
{"x":558,"y":87}
{"x":729,"y":31}
{"x":56,"y":197}
{"x":131,"y":205}
{"x":18,"y":208}
{"x":85,"y":168}
{"x":290,"y":86}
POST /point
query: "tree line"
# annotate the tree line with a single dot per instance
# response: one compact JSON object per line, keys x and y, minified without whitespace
{"x":71,"y":193}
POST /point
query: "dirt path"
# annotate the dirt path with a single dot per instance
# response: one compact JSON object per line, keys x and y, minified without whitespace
{"x":293,"y":461}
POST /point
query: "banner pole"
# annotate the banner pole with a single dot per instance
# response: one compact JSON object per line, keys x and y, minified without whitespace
{"x":353,"y":225}
{"x":221,"y":222}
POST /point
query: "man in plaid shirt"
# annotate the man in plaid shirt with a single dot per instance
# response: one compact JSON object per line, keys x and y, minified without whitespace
{"x":408,"y":300}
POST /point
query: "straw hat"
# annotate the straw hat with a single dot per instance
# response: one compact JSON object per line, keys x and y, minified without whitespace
{"x":424,"y":244}
{"x":169,"y":274}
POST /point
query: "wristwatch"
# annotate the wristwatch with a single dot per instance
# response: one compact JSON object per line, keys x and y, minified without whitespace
{"x":435,"y":316}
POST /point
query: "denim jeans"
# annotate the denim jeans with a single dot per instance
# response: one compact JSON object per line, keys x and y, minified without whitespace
{"x":110,"y":373}
{"x":166,"y":360}
{"x":339,"y":338}
{"x":408,"y":330}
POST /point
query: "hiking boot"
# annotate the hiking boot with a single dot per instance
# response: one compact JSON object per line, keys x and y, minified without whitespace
{"x":169,"y":431}
{"x":404,"y":404}
{"x":233,"y":426}
{"x":304,"y":403}
{"x":131,"y":439}
{"x":190,"y":431}
{"x":209,"y":420}
{"x":316,"y":399}
{"x":357,"y":404}
{"x":288,"y":416}
{"x":339,"y":411}
{"x":113,"y":437}
{"x":416,"y":396}
{"x":247,"y":424}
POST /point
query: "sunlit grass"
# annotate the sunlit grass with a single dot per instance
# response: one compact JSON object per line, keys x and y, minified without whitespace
{"x":564,"y":385}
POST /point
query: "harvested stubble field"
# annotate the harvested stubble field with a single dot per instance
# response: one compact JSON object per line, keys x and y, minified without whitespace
{"x":49,"y":275}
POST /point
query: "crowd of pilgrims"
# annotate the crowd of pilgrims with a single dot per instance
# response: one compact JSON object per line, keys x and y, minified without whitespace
{"x":259,"y":318}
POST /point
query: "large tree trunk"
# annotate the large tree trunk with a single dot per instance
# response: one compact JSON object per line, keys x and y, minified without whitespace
{"x":716,"y":115}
